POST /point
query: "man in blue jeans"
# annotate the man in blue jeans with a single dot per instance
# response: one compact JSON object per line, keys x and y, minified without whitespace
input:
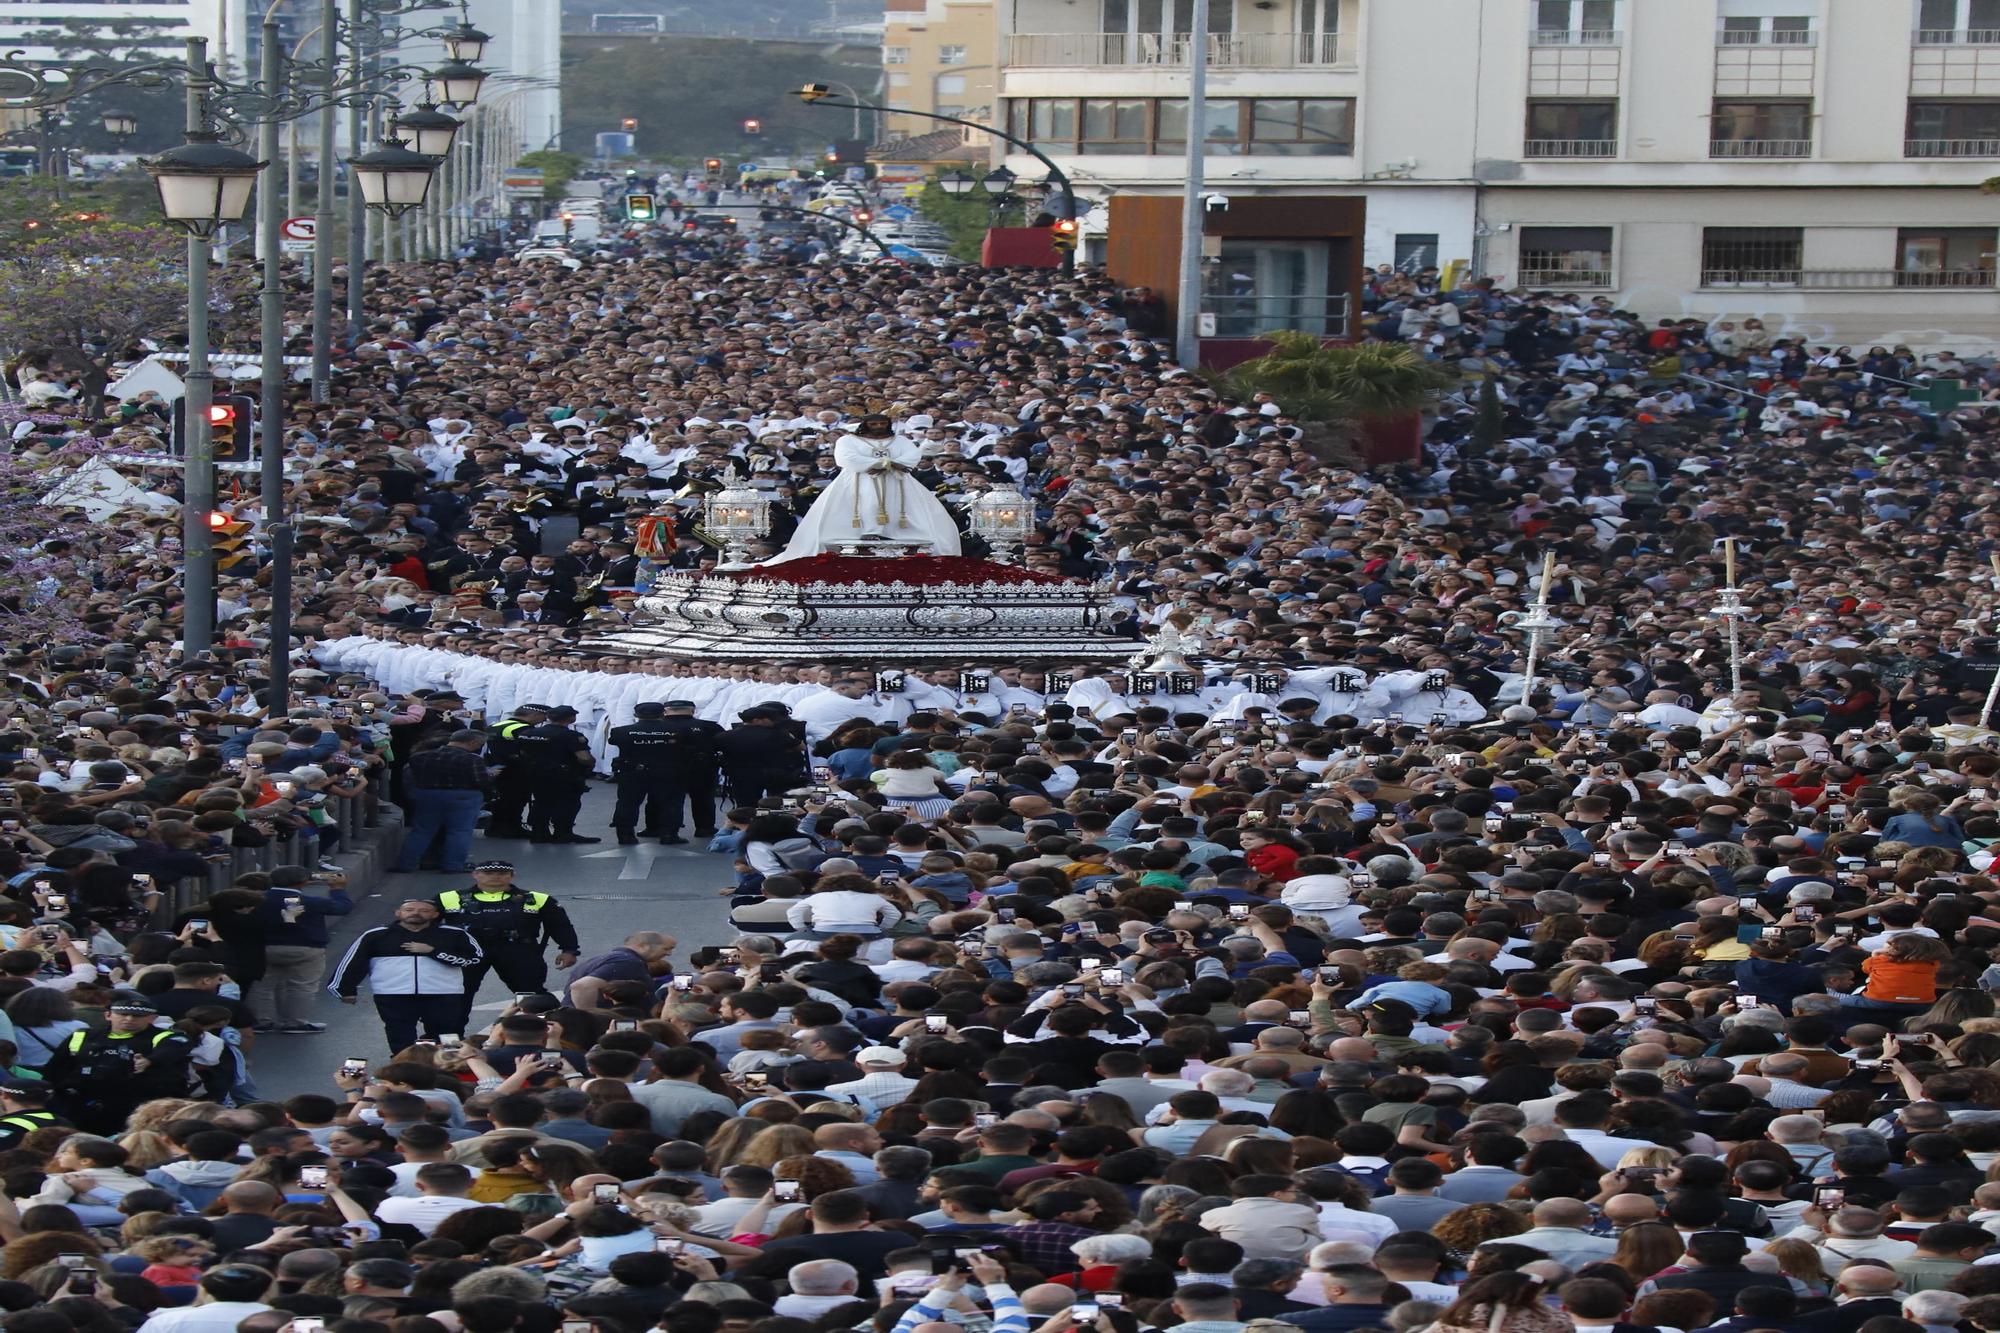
{"x":446,"y":786}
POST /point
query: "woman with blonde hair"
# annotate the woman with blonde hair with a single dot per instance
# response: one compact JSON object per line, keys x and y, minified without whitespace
{"x":774,"y":1144}
{"x":1800,"y":1261}
{"x":1644,"y":1158}
{"x":725,"y":1146}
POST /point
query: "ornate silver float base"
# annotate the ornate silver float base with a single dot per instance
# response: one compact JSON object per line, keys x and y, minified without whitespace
{"x":902,"y":610}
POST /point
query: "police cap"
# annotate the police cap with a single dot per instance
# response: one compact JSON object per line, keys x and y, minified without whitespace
{"x":649,"y":709}
{"x":562,"y":713}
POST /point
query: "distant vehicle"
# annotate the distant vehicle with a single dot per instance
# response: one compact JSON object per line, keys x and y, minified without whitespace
{"x":19,"y":161}
{"x":580,"y":205}
{"x":586,"y":189}
{"x":623,"y":23}
{"x":714,"y":221}
{"x":585,"y":228}
{"x":563,"y":257}
{"x":549,"y":231}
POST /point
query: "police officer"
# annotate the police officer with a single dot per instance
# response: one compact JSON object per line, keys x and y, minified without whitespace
{"x":666,"y":757}
{"x":558,"y":761}
{"x":764,"y":754}
{"x":511,"y":925}
{"x":24,"y":1108}
{"x":105,"y":1076}
{"x":514,"y":784}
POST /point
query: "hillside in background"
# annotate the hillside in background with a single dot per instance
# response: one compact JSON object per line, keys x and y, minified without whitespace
{"x":691,"y":95}
{"x":731,"y":17}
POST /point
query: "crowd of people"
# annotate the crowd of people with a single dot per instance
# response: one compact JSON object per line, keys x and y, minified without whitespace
{"x":1349,"y":981}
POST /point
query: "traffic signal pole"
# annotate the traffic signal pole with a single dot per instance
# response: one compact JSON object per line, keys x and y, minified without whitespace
{"x":198,"y":463}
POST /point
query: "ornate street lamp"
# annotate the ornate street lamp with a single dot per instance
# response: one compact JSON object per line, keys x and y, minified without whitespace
{"x":120,"y":124}
{"x":1004,"y":518}
{"x":465,"y":42}
{"x":736,"y":516}
{"x":956,"y":182}
{"x":428,"y":130}
{"x":203,"y":184}
{"x":997,"y":181}
{"x":456,"y":84}
{"x":393,"y":179}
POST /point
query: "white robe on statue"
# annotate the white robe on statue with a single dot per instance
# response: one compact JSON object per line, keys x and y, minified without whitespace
{"x":874,"y":496}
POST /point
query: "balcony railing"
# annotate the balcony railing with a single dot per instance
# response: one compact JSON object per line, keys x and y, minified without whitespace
{"x":1760,"y":147}
{"x":1578,"y":37}
{"x":1785,"y":37}
{"x":1248,"y":316}
{"x":1951,"y":148}
{"x":1245,"y":50}
{"x":1956,"y":37}
{"x":1565,"y":277}
{"x":1570,"y":148}
{"x":1851,"y":279}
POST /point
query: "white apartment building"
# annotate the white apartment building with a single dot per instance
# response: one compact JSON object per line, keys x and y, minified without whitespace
{"x":220,"y":21}
{"x":1816,"y":163}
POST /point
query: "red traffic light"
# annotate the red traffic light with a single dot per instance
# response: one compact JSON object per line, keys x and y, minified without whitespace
{"x":629,"y":123}
{"x":712,"y":163}
{"x":863,"y":216}
{"x":1066,"y":226}
{"x":753,"y":126}
{"x":220,"y":414}
{"x":217,"y":520}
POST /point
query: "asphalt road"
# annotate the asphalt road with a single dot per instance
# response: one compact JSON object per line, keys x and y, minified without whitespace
{"x":609,"y":891}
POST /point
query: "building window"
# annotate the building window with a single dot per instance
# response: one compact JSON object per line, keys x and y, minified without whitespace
{"x":895,"y":55}
{"x":951,"y":55}
{"x":1944,"y":257}
{"x":1572,"y":129}
{"x":948,"y":85}
{"x":1274,"y":126}
{"x":1941,"y":22}
{"x":1259,"y":285}
{"x":1760,"y":30}
{"x":1576,"y":22}
{"x":1416,"y":251}
{"x":1566,"y":256}
{"x":1761,"y":129}
{"x":1751,"y":256}
{"x":1114,"y":125}
{"x":1957,"y":128}
{"x":1302,"y":127}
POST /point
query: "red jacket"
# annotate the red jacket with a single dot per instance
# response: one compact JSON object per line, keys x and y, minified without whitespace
{"x":1274,"y":861}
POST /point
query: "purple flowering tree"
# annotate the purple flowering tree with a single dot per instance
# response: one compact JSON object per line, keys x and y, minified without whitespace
{"x":43,"y":547}
{"x":81,"y":301}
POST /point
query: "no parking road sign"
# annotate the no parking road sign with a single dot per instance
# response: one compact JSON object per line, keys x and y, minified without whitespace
{"x":295,"y":236}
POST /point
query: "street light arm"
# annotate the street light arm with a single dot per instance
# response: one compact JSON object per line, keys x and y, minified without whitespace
{"x":1061,"y":177}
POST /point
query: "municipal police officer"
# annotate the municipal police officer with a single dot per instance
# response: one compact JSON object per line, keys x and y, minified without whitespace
{"x":558,"y":761}
{"x":24,"y":1108}
{"x":107,"y":1075}
{"x":515,"y":782}
{"x":666,"y":757}
{"x":764,"y":754}
{"x":512,"y":926}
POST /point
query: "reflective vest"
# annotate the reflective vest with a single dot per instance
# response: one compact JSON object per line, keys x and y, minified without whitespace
{"x":27,"y":1122}
{"x":478,"y":914}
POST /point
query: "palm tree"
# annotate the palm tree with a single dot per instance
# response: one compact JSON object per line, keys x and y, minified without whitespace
{"x":1337,"y":386}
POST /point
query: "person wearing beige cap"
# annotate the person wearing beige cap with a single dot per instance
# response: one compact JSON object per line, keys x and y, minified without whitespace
{"x":882,"y":1083}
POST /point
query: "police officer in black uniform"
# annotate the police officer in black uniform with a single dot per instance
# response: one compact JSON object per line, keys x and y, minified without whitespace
{"x":665,"y":757}
{"x":762,"y":755}
{"x":512,"y":925}
{"x":106,"y":1075}
{"x":514,"y":783}
{"x":24,"y":1108}
{"x":558,"y":760}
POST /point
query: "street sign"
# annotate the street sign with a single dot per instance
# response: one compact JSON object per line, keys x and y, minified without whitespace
{"x":295,"y":236}
{"x":899,"y":212}
{"x":522,"y":180}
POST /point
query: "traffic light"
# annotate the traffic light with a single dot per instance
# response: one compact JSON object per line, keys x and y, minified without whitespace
{"x":713,"y":164}
{"x":629,"y":124}
{"x":863,"y":216}
{"x":753,"y":126}
{"x":231,"y":423}
{"x":640,"y":208}
{"x":230,"y":540}
{"x":1062,"y":234}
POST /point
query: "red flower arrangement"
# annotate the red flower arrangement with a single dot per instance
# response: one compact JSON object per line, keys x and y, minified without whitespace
{"x":922,"y":569}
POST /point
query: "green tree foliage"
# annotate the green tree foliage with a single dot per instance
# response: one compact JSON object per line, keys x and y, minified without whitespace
{"x":964,"y":218}
{"x":558,"y":169}
{"x":691,"y":96}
